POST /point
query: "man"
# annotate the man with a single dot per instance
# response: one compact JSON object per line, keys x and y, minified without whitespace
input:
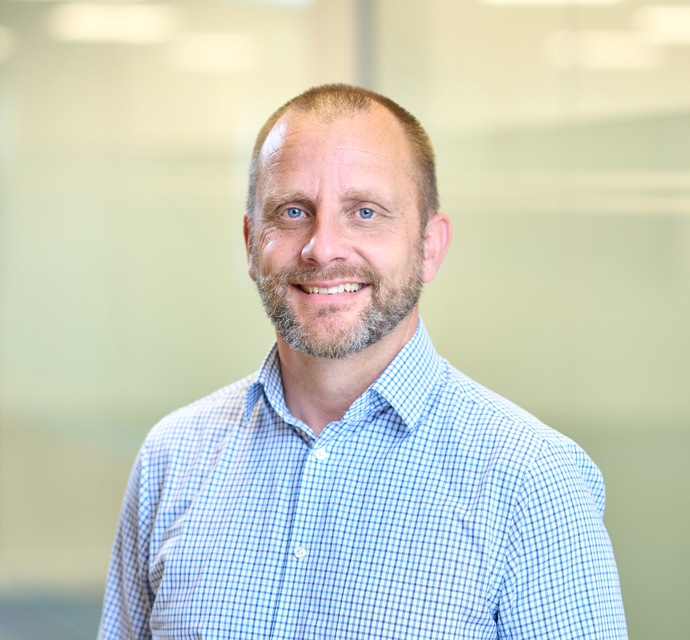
{"x":357,"y":486}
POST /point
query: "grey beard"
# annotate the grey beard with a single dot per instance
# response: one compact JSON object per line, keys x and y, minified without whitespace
{"x":387,"y":308}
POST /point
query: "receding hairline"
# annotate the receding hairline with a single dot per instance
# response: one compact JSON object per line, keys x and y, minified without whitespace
{"x":331,"y":101}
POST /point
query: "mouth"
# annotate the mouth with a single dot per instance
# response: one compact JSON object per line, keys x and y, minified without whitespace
{"x":345,"y":287}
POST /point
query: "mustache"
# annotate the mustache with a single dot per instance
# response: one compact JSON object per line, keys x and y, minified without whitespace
{"x":297,"y":275}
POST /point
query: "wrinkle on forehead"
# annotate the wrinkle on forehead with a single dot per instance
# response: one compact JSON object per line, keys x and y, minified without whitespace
{"x":339,"y":156}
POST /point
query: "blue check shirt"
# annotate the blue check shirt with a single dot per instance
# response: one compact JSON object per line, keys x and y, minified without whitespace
{"x":433,"y":509}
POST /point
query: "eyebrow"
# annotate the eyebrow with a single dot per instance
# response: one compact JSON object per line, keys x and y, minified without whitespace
{"x":363,"y":195}
{"x":278,"y":197}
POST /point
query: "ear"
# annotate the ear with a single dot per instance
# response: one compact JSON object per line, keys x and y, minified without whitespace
{"x":436,"y":242}
{"x":248,"y":241}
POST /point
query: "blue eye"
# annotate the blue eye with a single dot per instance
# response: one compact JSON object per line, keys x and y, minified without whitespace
{"x":365,"y":213}
{"x":293,"y":212}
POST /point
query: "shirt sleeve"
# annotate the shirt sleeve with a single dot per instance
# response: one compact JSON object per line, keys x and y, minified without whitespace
{"x":561,"y":579}
{"x":128,"y":597}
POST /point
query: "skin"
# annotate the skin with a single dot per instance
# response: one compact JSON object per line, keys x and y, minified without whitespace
{"x":334,"y":193}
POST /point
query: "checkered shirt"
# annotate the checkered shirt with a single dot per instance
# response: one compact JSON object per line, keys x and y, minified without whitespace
{"x":433,"y":509}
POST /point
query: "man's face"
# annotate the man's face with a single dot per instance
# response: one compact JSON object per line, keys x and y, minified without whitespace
{"x":336,"y":250}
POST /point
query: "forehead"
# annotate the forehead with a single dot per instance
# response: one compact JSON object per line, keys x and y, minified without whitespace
{"x":308,"y":147}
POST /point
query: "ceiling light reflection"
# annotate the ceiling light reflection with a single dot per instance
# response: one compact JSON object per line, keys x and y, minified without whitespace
{"x":664,"y":24}
{"x":600,"y":51}
{"x":120,"y":23}
{"x":214,"y":53}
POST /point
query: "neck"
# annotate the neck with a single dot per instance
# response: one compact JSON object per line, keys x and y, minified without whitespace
{"x":319,"y":391}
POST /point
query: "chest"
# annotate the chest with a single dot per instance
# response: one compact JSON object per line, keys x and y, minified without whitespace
{"x":341,"y":540}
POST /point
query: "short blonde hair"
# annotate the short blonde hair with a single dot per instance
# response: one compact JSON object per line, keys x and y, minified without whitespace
{"x":334,"y":100}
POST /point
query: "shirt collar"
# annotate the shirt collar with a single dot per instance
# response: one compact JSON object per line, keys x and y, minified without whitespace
{"x":405,"y":384}
{"x":269,"y":382}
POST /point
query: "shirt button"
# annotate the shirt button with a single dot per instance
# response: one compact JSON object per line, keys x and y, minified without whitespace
{"x":321,"y":454}
{"x":300,"y":552}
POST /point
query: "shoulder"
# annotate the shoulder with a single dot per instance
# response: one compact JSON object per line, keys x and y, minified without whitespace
{"x":507,"y":441}
{"x":180,"y":453}
{"x":200,"y":426}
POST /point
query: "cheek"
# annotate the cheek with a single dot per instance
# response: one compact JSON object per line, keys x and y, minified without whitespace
{"x":396,"y":258}
{"x":273,"y":251}
{"x":265,"y":243}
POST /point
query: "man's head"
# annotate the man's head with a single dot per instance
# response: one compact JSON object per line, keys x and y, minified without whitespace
{"x":342,"y":230}
{"x":337,"y":100}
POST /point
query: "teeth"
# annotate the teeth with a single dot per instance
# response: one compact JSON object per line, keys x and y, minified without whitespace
{"x":350,"y":287}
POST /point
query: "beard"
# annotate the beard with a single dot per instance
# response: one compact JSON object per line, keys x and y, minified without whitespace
{"x":314,"y":334}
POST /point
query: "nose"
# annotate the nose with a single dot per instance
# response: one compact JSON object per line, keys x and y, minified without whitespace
{"x":327,"y":241}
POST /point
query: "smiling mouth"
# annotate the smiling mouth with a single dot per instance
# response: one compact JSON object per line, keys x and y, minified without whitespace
{"x":350,"y":287}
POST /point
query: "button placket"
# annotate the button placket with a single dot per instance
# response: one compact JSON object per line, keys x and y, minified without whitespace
{"x":303,"y":525}
{"x":311,"y":486}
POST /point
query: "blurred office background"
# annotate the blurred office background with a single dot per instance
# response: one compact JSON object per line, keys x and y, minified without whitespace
{"x":562,"y":132}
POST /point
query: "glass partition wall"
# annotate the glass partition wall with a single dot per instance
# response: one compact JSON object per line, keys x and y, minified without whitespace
{"x":561,"y":132}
